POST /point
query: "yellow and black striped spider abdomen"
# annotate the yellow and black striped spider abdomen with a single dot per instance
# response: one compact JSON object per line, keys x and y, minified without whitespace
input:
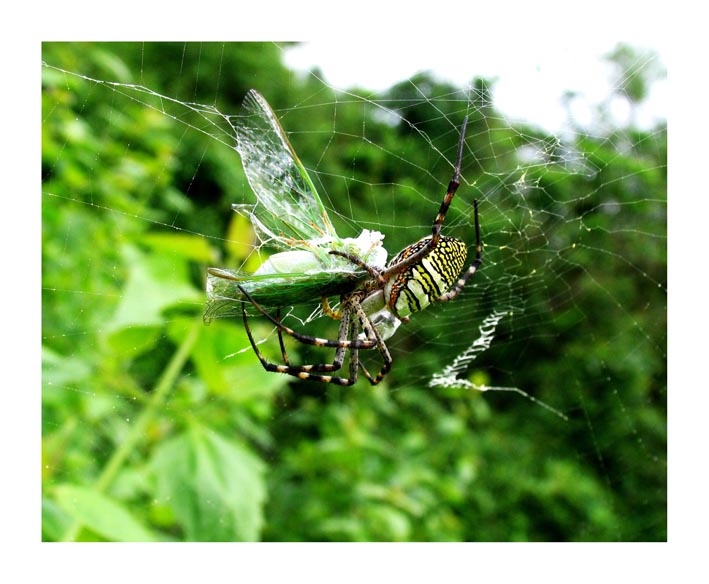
{"x":427,"y":279}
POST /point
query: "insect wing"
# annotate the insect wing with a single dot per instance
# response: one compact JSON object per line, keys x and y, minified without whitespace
{"x":224,"y":297}
{"x":289,"y":209}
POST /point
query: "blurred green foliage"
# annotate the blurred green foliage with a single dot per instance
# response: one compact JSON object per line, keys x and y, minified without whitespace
{"x":158,"y":428}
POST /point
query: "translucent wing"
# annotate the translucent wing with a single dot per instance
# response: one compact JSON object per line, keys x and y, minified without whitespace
{"x":289,"y":209}
{"x":290,"y":215}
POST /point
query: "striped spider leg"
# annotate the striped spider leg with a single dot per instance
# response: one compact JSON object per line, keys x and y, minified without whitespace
{"x":352,"y":317}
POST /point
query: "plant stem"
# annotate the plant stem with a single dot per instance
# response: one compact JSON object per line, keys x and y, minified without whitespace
{"x":164,"y":384}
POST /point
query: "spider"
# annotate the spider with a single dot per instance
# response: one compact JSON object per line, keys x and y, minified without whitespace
{"x":422,"y":273}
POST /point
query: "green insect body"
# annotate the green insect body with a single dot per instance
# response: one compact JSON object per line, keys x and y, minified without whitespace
{"x":295,"y":277}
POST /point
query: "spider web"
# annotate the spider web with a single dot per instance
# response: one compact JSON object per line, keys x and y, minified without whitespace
{"x":566,"y":315}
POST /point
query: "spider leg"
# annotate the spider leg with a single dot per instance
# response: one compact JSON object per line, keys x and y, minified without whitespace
{"x":362,"y":317}
{"x":305,"y":371}
{"x":374,"y":272}
{"x":438,"y":222}
{"x":280,"y":338}
{"x":354,"y":353}
{"x":349,"y":327}
{"x":453,"y":292}
{"x":306,"y":339}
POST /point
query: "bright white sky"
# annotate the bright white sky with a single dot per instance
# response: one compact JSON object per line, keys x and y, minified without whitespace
{"x":530,"y":77}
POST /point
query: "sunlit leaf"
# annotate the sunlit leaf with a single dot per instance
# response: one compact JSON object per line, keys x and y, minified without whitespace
{"x":224,"y":360}
{"x":191,"y":247}
{"x":214,"y":485}
{"x":155,"y":282}
{"x":101,"y":514}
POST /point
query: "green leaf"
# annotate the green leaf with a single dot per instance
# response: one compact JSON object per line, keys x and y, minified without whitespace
{"x":240,"y":238}
{"x":155,"y":282}
{"x":133,"y":340}
{"x":59,"y":370}
{"x":225,"y":362}
{"x":101,"y":514}
{"x":214,"y":485}
{"x":192,"y":247}
{"x":54,"y":521}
